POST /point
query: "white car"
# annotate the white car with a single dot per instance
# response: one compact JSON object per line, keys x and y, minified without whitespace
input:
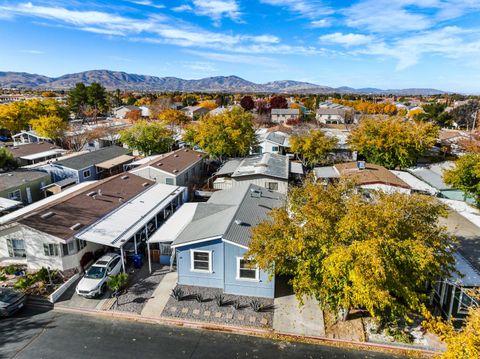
{"x":94,"y":282}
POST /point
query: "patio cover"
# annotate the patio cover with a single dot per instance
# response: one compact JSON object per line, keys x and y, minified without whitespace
{"x":175,"y":224}
{"x":6,"y":204}
{"x":120,"y":160}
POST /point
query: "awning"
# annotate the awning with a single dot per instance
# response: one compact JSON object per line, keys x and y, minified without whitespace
{"x":175,"y":224}
{"x":6,"y":204}
{"x":296,"y":168}
{"x":44,"y":154}
{"x":120,"y":160}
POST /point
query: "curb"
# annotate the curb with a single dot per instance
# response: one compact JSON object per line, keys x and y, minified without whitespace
{"x":270,"y":333}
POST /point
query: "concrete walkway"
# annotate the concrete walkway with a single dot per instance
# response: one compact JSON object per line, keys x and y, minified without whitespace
{"x":155,"y":305}
{"x":305,"y":320}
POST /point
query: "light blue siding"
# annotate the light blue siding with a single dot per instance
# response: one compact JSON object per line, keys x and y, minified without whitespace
{"x":224,"y":270}
{"x":188,"y":277}
{"x":261,"y":288}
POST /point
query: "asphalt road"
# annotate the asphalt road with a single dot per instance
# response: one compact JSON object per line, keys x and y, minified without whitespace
{"x":36,"y":334}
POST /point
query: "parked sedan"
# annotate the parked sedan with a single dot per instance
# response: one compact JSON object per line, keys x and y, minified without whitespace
{"x":94,"y":282}
{"x":11,"y":300}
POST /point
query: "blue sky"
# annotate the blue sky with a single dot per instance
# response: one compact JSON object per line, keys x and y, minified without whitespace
{"x":358,"y":43}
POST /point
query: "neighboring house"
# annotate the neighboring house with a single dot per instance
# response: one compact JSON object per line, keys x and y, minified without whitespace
{"x":145,"y":111}
{"x":35,"y":152}
{"x":183,"y":167}
{"x":342,"y":151}
{"x":91,"y":165}
{"x":210,"y":240}
{"x":451,"y":295}
{"x":281,"y":115}
{"x":27,"y":137}
{"x":332,"y":113}
{"x":114,"y":214}
{"x":23,"y":185}
{"x":122,"y":111}
{"x":365,"y":175}
{"x":433,"y":176}
{"x":453,"y":141}
{"x":275,"y":140}
{"x":194,"y":112}
{"x":267,"y":170}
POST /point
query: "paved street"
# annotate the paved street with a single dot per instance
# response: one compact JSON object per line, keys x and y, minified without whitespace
{"x":49,"y":335}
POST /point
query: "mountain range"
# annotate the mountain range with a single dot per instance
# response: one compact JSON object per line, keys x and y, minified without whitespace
{"x":121,"y":80}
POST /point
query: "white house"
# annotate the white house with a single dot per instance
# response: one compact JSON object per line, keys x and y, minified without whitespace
{"x":122,"y":111}
{"x":60,"y":230}
{"x":194,"y":112}
{"x":332,"y":113}
{"x":273,"y":140}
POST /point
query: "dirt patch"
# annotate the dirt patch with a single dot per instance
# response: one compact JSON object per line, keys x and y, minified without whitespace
{"x":351,"y":329}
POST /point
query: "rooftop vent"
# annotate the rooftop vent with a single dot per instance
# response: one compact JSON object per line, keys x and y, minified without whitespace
{"x":99,"y":192}
{"x":239,"y":222}
{"x":255,"y":193}
{"x":145,"y":184}
{"x":175,"y":171}
{"x":92,"y":194}
{"x":186,"y":150}
{"x":124,"y":177}
{"x":75,"y":226}
{"x":47,"y":215}
{"x":159,"y":164}
{"x":175,"y":155}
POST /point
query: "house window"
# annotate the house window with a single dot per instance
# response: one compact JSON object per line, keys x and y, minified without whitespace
{"x":69,"y":248}
{"x":464,"y":302}
{"x":201,"y":261}
{"x":246,"y":270}
{"x":275,"y":148}
{"x":169,"y":180}
{"x":272,"y":186}
{"x":15,"y":195}
{"x":81,"y":244}
{"x":86,"y":173}
{"x":16,"y":247}
{"x":50,"y":250}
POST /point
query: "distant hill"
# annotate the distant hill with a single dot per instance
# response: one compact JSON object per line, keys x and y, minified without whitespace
{"x":122,"y":80}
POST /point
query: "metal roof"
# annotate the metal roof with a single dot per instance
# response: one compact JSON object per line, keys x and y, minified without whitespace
{"x":431,"y":177}
{"x":92,"y":158}
{"x":6,"y":203}
{"x":121,"y":224}
{"x":230,"y":214}
{"x":326,"y":172}
{"x":414,"y":182}
{"x":267,"y":164}
{"x":285,"y":111}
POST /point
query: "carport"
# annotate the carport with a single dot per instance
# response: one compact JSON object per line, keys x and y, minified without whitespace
{"x":169,"y":231}
{"x":137,"y":219}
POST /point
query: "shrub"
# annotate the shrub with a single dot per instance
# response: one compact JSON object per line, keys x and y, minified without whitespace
{"x":399,"y":335}
{"x":236,"y":304}
{"x":11,"y":269}
{"x":177,"y":294}
{"x":256,"y":305}
{"x":220,"y":300}
{"x":117,"y":282}
{"x":198,"y":298}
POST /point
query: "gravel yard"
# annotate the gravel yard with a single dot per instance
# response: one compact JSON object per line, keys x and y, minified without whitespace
{"x":208,"y":310}
{"x":141,"y":285}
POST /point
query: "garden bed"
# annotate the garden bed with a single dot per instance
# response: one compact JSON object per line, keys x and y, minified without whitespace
{"x":208,"y":310}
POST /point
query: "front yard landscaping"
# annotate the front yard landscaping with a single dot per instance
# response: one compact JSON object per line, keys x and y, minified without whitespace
{"x":213,"y":306}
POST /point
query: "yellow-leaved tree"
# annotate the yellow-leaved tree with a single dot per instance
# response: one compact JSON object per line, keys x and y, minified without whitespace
{"x":393,"y":142}
{"x":52,"y":127}
{"x":312,"y":147}
{"x":228,"y":134}
{"x":349,"y":250}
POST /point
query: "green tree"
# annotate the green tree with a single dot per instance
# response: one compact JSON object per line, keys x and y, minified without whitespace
{"x":148,"y":137}
{"x":312,"y":147}
{"x":97,"y":97}
{"x":6,"y":159}
{"x":228,"y":134}
{"x":466,"y":175}
{"x":77,"y":99}
{"x":393,"y":142}
{"x":351,"y":251}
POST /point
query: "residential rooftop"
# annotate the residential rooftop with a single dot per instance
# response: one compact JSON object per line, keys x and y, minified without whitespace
{"x":92,"y":158}
{"x":285,"y":111}
{"x":266,"y":164}
{"x":73,"y":213}
{"x":177,"y":161}
{"x":15,"y":179}
{"x":35,"y":148}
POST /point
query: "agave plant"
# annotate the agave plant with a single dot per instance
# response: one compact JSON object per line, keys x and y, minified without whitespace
{"x":220,"y":300}
{"x":255,"y":305}
{"x":198,"y":297}
{"x":236,"y":304}
{"x":177,"y":294}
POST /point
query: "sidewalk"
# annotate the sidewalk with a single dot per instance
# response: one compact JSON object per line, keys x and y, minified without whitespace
{"x":155,"y":305}
{"x":291,"y":318}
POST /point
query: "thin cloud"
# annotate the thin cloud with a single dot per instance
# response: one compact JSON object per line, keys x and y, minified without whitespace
{"x":346,"y":39}
{"x":311,"y":9}
{"x":33,"y":52}
{"x":214,"y":9}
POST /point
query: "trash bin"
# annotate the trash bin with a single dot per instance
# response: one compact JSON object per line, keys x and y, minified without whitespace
{"x":137,"y":260}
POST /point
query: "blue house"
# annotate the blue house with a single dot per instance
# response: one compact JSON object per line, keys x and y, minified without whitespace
{"x":210,"y":240}
{"x":90,"y":166}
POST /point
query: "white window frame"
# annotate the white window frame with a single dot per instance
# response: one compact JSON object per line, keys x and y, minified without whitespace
{"x":257,"y":272}
{"x":11,"y":248}
{"x":460,"y":309}
{"x":275,"y":148}
{"x":12,"y":195}
{"x":53,"y":250}
{"x":210,"y":264}
{"x":167,"y":179}
{"x":267,"y":186}
{"x":89,"y":173}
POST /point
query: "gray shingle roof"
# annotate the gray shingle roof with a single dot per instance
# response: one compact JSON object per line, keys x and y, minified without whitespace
{"x":285,"y":111}
{"x":93,"y":158}
{"x":231,"y":214}
{"x":279,"y":138}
